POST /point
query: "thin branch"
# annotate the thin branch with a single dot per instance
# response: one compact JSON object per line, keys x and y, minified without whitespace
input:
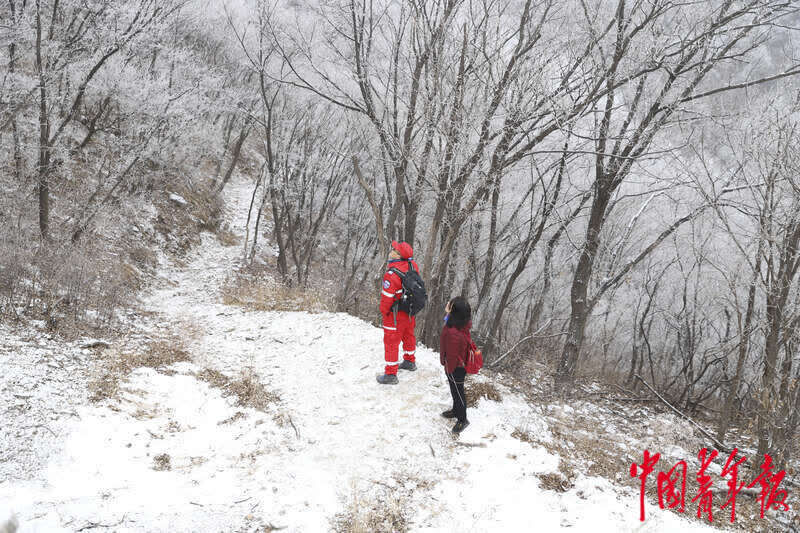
{"x":719,"y":444}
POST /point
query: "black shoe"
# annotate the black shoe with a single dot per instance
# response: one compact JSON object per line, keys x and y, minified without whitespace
{"x":408,"y":365}
{"x":387,"y":379}
{"x":459,"y":427}
{"x":449,"y":414}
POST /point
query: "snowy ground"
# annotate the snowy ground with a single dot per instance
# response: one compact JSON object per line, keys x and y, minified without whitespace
{"x":335,"y":447}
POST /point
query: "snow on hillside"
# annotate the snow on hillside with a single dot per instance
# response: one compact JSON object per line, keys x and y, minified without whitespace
{"x":174,"y":453}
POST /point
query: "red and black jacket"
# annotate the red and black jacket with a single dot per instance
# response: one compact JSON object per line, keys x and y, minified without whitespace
{"x":454,"y":345}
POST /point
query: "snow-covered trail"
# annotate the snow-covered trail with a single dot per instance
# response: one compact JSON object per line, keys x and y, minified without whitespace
{"x":335,"y":443}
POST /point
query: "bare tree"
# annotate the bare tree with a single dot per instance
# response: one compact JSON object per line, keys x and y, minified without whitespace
{"x":463,"y":78}
{"x":66,"y":32}
{"x":779,"y":201}
{"x":625,"y":134}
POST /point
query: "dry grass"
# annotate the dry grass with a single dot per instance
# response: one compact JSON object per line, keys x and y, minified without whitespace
{"x":237,"y":416}
{"x":254,"y":291}
{"x":74,"y":288}
{"x":162,"y":462}
{"x":181,"y":225}
{"x":381,"y":507}
{"x":578,"y":450}
{"x":555,"y":481}
{"x":524,"y":436}
{"x":144,"y":257}
{"x":372,"y":514}
{"x":214,"y":378}
{"x":116,"y":365}
{"x":476,"y":391}
{"x":560,"y":481}
{"x":247,"y":388}
{"x":226,"y":237}
{"x":587,"y":447}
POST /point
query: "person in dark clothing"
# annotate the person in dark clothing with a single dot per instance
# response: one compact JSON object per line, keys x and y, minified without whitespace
{"x":454,"y":346}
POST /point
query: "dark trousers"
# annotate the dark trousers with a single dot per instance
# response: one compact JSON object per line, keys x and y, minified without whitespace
{"x":456,"y":382}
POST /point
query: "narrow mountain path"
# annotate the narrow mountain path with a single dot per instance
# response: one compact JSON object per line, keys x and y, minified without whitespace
{"x":331,"y":449}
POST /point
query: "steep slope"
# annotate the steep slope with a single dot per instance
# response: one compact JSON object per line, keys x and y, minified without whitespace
{"x":329,"y":449}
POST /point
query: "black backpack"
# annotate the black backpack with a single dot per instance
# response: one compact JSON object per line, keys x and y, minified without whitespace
{"x":414,"y":296}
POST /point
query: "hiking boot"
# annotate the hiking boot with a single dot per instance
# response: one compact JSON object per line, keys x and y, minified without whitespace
{"x":408,"y":365}
{"x":449,"y":414}
{"x":387,"y":379}
{"x":459,"y":427}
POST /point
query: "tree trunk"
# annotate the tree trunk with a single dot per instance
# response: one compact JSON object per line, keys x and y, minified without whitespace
{"x":237,"y":150}
{"x":770,"y":359}
{"x":565,"y":373}
{"x":12,"y":62}
{"x":488,"y":272}
{"x":44,"y":138}
{"x":744,"y":343}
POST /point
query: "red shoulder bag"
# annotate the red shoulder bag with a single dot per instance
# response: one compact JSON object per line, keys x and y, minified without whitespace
{"x":474,"y":359}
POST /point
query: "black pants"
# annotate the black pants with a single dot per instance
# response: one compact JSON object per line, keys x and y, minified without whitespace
{"x":456,"y":382}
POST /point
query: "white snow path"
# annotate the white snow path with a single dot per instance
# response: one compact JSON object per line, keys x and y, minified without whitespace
{"x":334,"y":438}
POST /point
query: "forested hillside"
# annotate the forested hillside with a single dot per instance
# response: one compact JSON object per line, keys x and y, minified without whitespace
{"x":612,"y":184}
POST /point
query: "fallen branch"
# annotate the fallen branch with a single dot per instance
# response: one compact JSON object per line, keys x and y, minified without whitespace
{"x":621,"y":399}
{"x":719,"y":444}
{"x":43,"y":426}
{"x":293,"y":426}
{"x":744,"y":491}
{"x":96,"y":344}
{"x":92,"y":525}
{"x":532,"y":335}
{"x":471,"y":444}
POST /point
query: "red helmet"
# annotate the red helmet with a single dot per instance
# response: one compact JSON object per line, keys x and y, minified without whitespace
{"x":404,"y":249}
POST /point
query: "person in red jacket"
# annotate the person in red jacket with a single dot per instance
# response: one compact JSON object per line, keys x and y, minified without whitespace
{"x":454,"y":345}
{"x":398,"y":326}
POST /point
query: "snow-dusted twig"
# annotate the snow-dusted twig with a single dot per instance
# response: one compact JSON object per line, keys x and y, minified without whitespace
{"x":471,"y":444}
{"x":92,"y":525}
{"x":95,"y":344}
{"x":43,"y":426}
{"x":532,"y":335}
{"x":719,"y":444}
{"x":744,"y":491}
{"x":293,"y":426}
